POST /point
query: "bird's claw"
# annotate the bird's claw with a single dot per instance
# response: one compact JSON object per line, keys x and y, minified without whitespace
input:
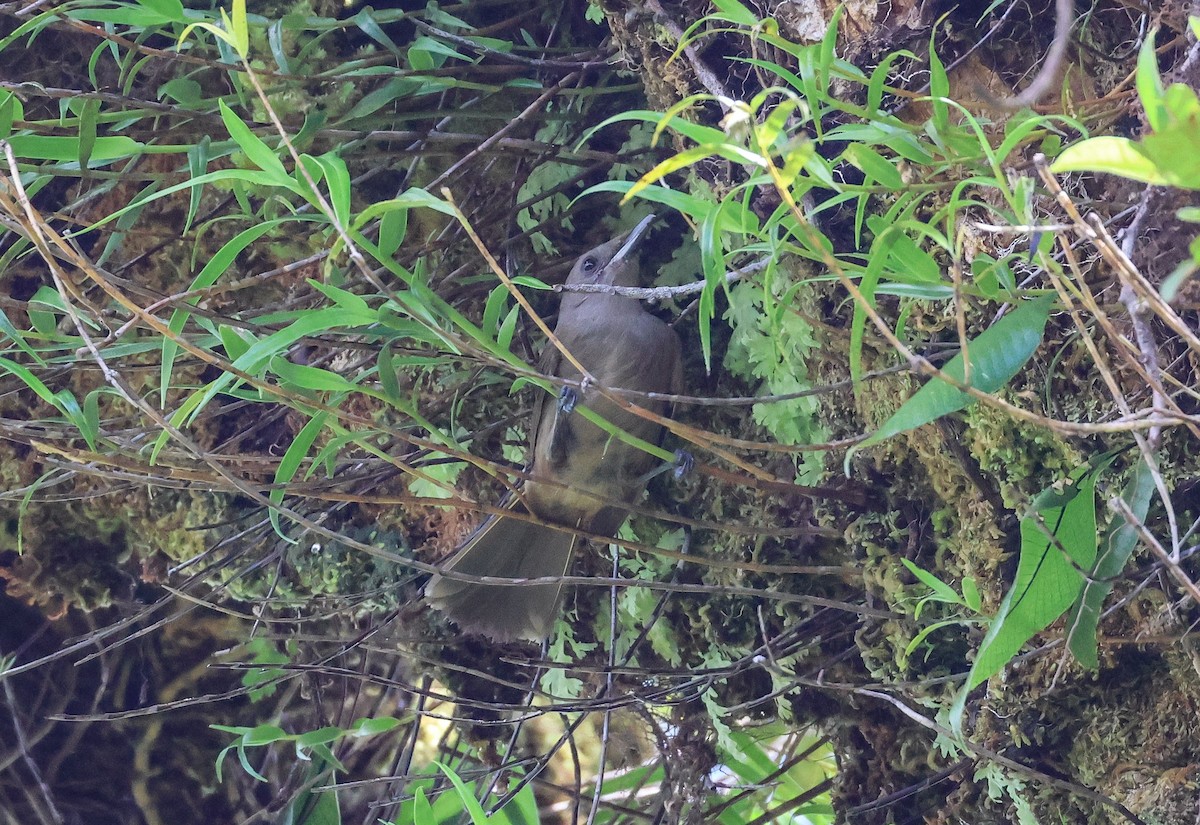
{"x":684,"y":464}
{"x":567,"y":399}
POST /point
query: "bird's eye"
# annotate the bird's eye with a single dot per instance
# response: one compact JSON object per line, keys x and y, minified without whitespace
{"x":589,"y":264}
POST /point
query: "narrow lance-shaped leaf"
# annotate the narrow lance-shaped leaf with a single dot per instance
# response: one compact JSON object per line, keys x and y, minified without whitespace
{"x":1115,"y":549}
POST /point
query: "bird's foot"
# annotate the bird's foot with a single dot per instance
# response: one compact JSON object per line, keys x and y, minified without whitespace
{"x":684,"y":464}
{"x":680,"y":467}
{"x":567,"y":399}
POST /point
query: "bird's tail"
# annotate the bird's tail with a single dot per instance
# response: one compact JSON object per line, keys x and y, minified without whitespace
{"x":513,"y":549}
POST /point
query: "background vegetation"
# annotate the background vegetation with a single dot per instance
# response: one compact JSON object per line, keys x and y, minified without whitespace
{"x":269,"y":276}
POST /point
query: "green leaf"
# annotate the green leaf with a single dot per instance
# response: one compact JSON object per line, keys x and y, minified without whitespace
{"x":258,"y":152}
{"x":337,"y":180}
{"x":318,"y":321}
{"x":698,"y":133}
{"x":366,"y":21}
{"x":1058,"y":539}
{"x":373,"y":726}
{"x":874,"y":165}
{"x":50,"y":147}
{"x":318,"y":808}
{"x":1115,"y":155}
{"x":422,"y":810}
{"x":216,"y":266}
{"x":1116,"y":547}
{"x":264,"y":735}
{"x":1149,"y":83}
{"x":735,"y":12}
{"x":358,"y":311}
{"x":290,"y":463}
{"x":996,"y":356}
{"x":393,"y":226}
{"x":305,"y":377}
{"x":87,"y":130}
{"x":470,"y":803}
{"x":1048,"y":578}
{"x":7,"y":328}
{"x":198,"y":158}
{"x":323,"y":735}
{"x":971,"y":595}
{"x":941,"y":591}
{"x":10,"y":110}
{"x":30,"y":380}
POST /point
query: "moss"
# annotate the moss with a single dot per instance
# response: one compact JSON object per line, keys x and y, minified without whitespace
{"x":1022,"y":458}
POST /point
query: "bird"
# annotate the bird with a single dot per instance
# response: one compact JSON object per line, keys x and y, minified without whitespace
{"x":578,"y":475}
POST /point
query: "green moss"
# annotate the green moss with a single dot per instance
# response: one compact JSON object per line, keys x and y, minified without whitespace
{"x":1022,"y":458}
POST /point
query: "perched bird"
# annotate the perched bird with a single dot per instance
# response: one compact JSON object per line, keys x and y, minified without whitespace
{"x":580,"y":475}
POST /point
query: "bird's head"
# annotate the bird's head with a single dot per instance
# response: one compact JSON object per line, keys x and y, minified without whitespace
{"x":615,"y":262}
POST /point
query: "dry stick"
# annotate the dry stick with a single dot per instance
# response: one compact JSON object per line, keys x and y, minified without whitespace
{"x":1144,"y":445}
{"x":703,"y":73}
{"x":960,"y":318}
{"x":1063,"y":12}
{"x":1117,"y":503}
{"x":529,"y":110}
{"x":26,"y":750}
{"x":1096,"y":232}
{"x":351,"y":248}
{"x":660,"y":293}
{"x":899,"y":107}
{"x":606,"y":717}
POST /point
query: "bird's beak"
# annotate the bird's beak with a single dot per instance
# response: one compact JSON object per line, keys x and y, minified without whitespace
{"x":632,"y":239}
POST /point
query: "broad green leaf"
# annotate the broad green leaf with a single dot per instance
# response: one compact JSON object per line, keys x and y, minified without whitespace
{"x":1058,"y":539}
{"x":996,"y":356}
{"x":265,"y":735}
{"x":169,"y":9}
{"x":304,"y":377}
{"x":312,"y":323}
{"x":323,"y":735}
{"x":393,"y":226}
{"x":10,"y":110}
{"x":1115,"y":155}
{"x":366,"y":21}
{"x":695,"y":131}
{"x":319,"y":808}
{"x":125,"y":15}
{"x":358,"y":311}
{"x":422,"y":810}
{"x":374,"y":725}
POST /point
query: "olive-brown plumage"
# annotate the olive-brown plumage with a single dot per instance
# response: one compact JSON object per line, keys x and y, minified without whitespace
{"x":580,"y":476}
